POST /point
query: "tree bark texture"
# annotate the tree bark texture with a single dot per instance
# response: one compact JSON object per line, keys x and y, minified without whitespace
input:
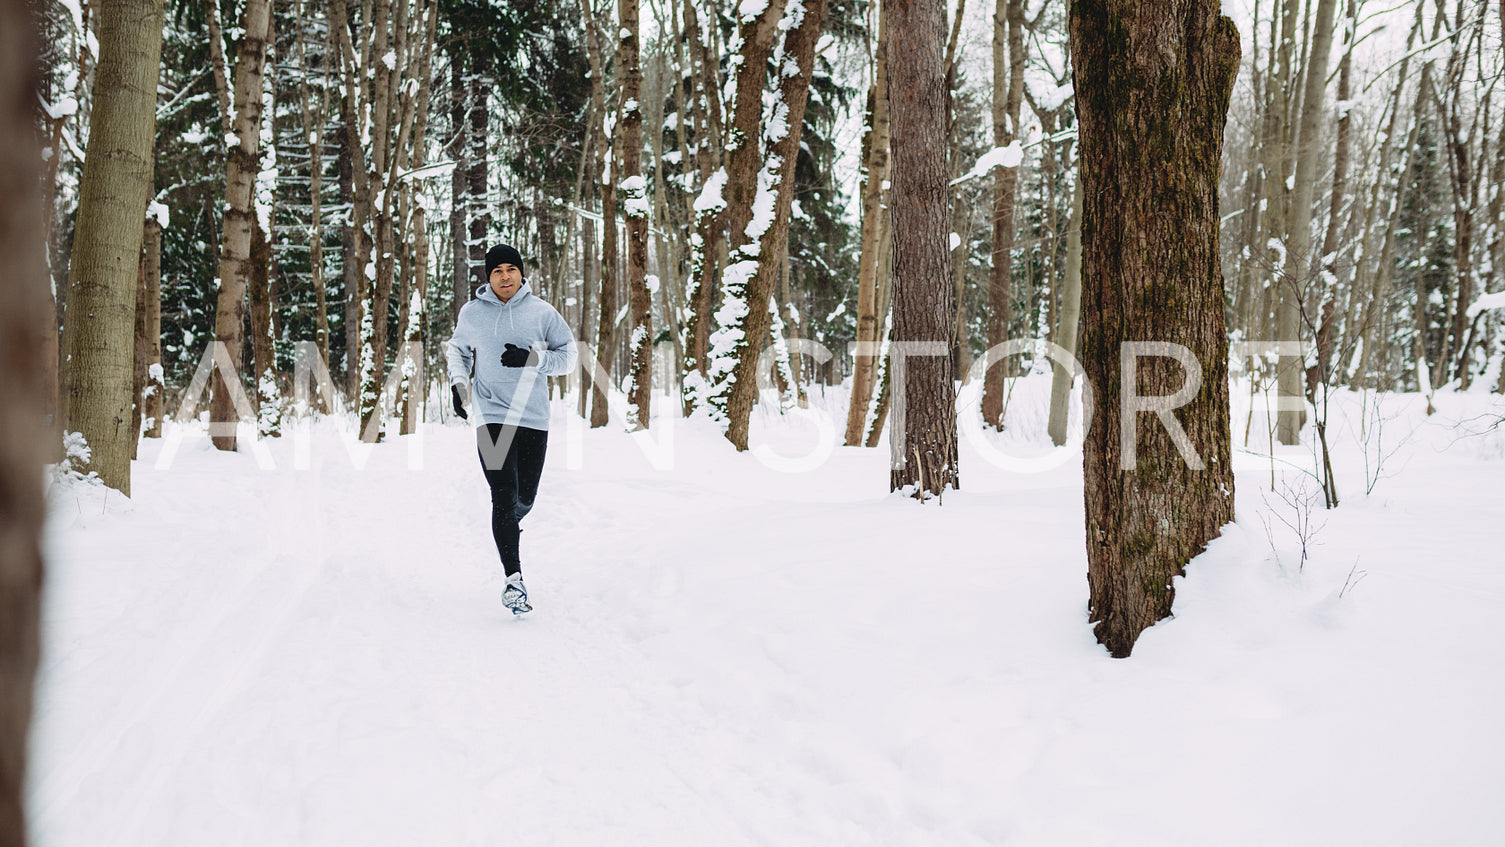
{"x":634,"y":190}
{"x":1008,"y":95}
{"x":1068,"y":328}
{"x":23,"y":389}
{"x":113,"y":192}
{"x":875,"y":171}
{"x":773,"y":242}
{"x":744,"y":160}
{"x":241,"y":164}
{"x":1293,"y":320}
{"x":923,"y":432}
{"x":1153,"y":80}
{"x":146,"y":389}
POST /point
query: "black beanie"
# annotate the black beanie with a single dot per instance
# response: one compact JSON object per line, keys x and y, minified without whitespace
{"x":503,"y":254}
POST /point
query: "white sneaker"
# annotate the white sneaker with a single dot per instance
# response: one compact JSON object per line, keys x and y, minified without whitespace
{"x":515,"y":595}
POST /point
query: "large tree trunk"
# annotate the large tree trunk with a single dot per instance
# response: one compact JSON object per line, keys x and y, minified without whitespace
{"x":1293,"y":322}
{"x":1008,"y":95}
{"x":875,"y":172}
{"x":923,"y":435}
{"x":23,"y":290}
{"x":1153,"y":79}
{"x":235,"y":261}
{"x":635,"y":193}
{"x":113,"y":192}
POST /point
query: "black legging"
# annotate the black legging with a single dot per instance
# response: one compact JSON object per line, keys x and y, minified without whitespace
{"x":512,"y":459}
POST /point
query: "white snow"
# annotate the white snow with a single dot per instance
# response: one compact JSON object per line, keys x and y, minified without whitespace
{"x":749,"y":9}
{"x":1009,"y":156}
{"x":722,"y":653}
{"x":634,"y":191}
{"x":1487,"y":302}
{"x":711,"y":199}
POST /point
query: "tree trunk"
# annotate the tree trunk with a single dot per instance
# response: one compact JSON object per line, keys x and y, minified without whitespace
{"x":23,"y":389}
{"x":459,"y":252}
{"x":146,"y":380}
{"x":635,"y":194}
{"x":154,"y":400}
{"x":1370,"y":337}
{"x":766,"y":262}
{"x":708,"y":244}
{"x":235,"y":262}
{"x":313,"y":111}
{"x":476,"y":174}
{"x":739,"y":315}
{"x":1153,"y":80}
{"x":1296,"y":284}
{"x":1008,"y":17}
{"x":607,"y":317}
{"x":923,"y":436}
{"x":875,"y":172}
{"x":1322,"y":373}
{"x":217,"y":65}
{"x":263,"y":367}
{"x":113,"y":192}
{"x":594,"y":395}
{"x":350,"y":277}
{"x":1071,"y":311}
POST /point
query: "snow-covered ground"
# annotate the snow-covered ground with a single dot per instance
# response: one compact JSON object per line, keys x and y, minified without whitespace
{"x":725,"y":652}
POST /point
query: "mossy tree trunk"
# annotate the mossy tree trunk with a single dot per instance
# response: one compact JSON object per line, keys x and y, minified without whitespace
{"x":1153,"y":80}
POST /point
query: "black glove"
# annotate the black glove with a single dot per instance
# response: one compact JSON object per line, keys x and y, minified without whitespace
{"x":518,"y":357}
{"x":459,"y":402}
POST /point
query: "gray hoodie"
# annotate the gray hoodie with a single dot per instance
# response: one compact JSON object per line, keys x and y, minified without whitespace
{"x":504,"y":395}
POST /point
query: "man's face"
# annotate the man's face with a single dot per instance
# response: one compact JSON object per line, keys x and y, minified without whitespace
{"x":505,"y":280}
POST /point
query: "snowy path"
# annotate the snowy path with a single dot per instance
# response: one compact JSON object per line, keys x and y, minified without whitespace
{"x":726,"y":655}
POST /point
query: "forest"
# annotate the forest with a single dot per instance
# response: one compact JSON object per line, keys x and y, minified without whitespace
{"x":1088,"y":261}
{"x":645,"y":166}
